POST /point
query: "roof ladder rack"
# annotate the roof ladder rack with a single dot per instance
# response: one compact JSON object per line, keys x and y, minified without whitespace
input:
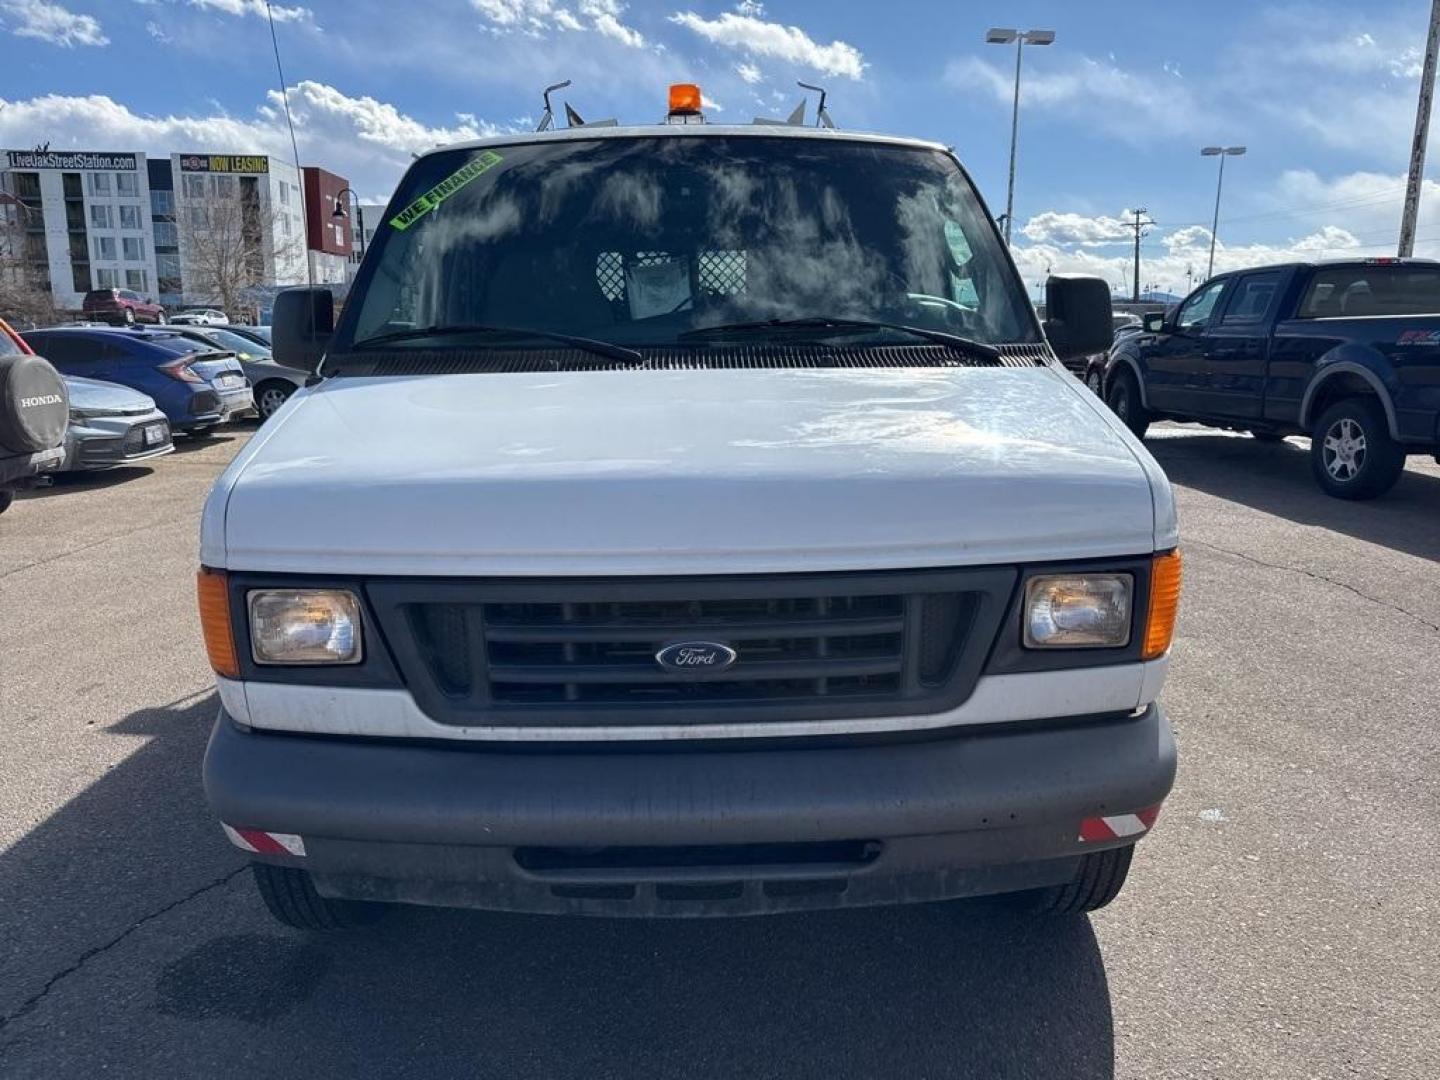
{"x":797,"y":117}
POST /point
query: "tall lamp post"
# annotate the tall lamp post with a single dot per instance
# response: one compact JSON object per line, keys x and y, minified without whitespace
{"x":1001,"y":35}
{"x":1222,"y":152}
{"x":339,"y":212}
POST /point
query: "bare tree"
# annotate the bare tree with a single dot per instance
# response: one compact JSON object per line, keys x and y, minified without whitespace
{"x":25,"y":298}
{"x":229,"y":248}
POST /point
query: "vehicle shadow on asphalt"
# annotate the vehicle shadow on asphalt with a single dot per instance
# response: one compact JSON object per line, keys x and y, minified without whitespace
{"x":1276,"y":479}
{"x":944,"y":990}
{"x":68,"y":482}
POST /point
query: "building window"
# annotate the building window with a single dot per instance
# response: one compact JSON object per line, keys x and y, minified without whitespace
{"x":134,"y":248}
{"x":127,"y":183}
{"x":107,"y":279}
{"x":284,"y":193}
{"x":167,"y":267}
{"x":137,"y":279}
{"x":162,"y":203}
{"x":197,"y":217}
{"x":105,"y":247}
{"x":129,"y":216}
{"x":194,"y":186}
{"x":80,"y":276}
{"x":166,"y":235}
{"x":100,"y":213}
{"x":223,"y":186}
{"x":99,"y":183}
{"x":70,"y":185}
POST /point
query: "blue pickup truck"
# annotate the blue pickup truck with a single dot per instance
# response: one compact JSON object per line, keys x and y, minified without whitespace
{"x":1345,"y":352}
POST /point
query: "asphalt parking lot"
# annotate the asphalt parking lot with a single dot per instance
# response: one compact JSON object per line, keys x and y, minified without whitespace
{"x":1281,"y":921}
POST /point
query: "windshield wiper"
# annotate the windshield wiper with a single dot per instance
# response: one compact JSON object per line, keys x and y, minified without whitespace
{"x":592,"y":345}
{"x":838,"y":325}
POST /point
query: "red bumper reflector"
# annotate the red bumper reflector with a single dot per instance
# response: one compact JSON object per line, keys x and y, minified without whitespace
{"x":1118,"y":826}
{"x":265,"y":843}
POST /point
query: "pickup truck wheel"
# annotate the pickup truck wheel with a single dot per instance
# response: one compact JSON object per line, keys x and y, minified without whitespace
{"x":1096,"y":883}
{"x":1351,"y":452}
{"x":7,"y":496}
{"x":291,"y":898}
{"x":1123,"y":397}
{"x":1095,"y":381}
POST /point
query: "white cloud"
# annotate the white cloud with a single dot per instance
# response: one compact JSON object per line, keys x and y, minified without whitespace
{"x":156,"y":31}
{"x":1066,"y":228}
{"x":536,"y":17}
{"x":1126,"y":104}
{"x":748,"y":73}
{"x":789,"y":43}
{"x":751,"y":8}
{"x":366,"y":140}
{"x":253,"y":7}
{"x":52,"y":23}
{"x":1307,"y":216}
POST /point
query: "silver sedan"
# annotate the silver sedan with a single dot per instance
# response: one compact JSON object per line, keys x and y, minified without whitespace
{"x":111,"y":425}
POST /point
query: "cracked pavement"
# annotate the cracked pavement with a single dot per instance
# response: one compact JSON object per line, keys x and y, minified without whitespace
{"x":1281,"y":922}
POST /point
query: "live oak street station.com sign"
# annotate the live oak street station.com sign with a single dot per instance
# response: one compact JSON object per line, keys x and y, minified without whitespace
{"x":71,"y":159}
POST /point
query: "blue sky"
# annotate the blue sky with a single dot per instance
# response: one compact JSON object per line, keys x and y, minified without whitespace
{"x":1113,"y":114}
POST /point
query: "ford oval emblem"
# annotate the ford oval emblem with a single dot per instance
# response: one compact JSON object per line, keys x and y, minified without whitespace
{"x":696,"y":657}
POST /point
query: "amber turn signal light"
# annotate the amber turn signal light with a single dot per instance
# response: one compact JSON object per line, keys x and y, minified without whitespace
{"x":214,"y":593}
{"x":684,"y":99}
{"x":1164,"y":604}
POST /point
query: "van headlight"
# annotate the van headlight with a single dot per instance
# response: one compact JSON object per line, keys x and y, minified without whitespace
{"x":1078,"y":611}
{"x":305,"y":626}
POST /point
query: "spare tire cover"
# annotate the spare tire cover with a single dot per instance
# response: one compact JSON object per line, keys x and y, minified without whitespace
{"x":34,"y":407}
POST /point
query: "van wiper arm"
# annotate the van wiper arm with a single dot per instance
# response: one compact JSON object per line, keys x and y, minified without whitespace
{"x":837,"y":325}
{"x":591,"y":345}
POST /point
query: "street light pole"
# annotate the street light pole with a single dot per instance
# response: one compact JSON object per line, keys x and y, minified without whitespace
{"x":1222,"y":152}
{"x":1001,"y":35}
{"x":339,"y":212}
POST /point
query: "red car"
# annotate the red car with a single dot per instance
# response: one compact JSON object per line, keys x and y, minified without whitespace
{"x":121,"y":306}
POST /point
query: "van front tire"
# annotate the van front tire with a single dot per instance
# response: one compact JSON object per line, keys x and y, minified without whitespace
{"x":291,"y":898}
{"x":1098,"y":881}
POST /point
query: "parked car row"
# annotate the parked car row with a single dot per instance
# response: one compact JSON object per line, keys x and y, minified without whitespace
{"x":124,"y":307}
{"x":117,"y":396}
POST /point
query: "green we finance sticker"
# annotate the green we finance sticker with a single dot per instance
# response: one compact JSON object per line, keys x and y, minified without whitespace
{"x":487,"y":159}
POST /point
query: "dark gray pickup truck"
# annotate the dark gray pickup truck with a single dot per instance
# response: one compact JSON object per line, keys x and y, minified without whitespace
{"x":1345,"y":352}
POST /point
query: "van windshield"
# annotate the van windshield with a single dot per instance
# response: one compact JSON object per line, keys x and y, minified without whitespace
{"x":642,"y":241}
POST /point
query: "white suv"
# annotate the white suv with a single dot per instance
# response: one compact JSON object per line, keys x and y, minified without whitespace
{"x":688,"y":520}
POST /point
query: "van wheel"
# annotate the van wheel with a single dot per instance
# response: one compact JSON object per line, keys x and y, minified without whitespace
{"x":291,"y":898}
{"x":1097,"y":882}
{"x":1351,"y":452}
{"x":1123,"y":397}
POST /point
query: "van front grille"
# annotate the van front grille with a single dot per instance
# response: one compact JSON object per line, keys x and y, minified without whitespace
{"x":563,"y":653}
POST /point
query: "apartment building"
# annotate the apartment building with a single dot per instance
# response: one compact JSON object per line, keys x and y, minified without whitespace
{"x":79,"y":220}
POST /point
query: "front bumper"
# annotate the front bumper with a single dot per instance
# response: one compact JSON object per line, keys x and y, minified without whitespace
{"x":109,"y":441}
{"x":717,"y":831}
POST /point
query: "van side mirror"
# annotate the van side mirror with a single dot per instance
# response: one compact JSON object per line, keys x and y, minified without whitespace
{"x":300,"y":327}
{"x":1078,"y":319}
{"x":1154,"y":322}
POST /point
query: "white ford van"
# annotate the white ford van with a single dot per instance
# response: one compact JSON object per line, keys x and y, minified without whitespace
{"x":688,"y":520}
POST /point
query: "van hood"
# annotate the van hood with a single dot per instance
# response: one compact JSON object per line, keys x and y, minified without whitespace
{"x":668,"y":472}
